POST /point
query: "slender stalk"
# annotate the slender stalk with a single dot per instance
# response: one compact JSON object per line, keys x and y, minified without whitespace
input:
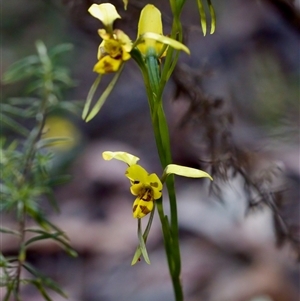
{"x":161,"y":132}
{"x":154,"y":86}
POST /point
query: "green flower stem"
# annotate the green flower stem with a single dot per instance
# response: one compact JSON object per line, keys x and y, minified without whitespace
{"x":154,"y":87}
{"x":161,"y":132}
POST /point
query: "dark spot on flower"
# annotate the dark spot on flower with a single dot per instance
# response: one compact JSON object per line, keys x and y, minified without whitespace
{"x":108,"y":67}
{"x":155,"y":184}
{"x":136,"y":182}
{"x":144,"y":209}
{"x":134,"y":208}
{"x":147,"y":197}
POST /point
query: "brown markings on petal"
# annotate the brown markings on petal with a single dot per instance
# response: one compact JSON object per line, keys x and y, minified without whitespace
{"x":136,"y":182}
{"x":134,"y":208}
{"x":108,"y":67}
{"x":155,"y":184}
{"x":147,"y":197}
{"x":126,"y":172}
{"x":144,"y":209}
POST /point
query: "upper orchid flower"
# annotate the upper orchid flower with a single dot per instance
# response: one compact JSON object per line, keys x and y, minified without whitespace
{"x":116,"y":45}
{"x":147,"y":187}
{"x":150,"y":32}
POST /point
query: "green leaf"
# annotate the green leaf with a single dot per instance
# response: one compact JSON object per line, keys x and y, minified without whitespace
{"x":213,"y":17}
{"x":4,"y":189}
{"x":58,"y":236}
{"x":43,"y":56}
{"x":21,"y":69}
{"x":9,"y":290}
{"x":202,"y":16}
{"x":13,"y":110}
{"x":62,"y":75}
{"x":35,"y":86}
{"x":48,"y":142}
{"x":46,"y":281}
{"x":38,"y":285}
{"x":28,"y":101}
{"x":52,"y":200}
{"x":71,"y":106}
{"x":59,"y":49}
{"x":46,"y":235}
{"x":9,"y":231}
{"x":15,"y":126}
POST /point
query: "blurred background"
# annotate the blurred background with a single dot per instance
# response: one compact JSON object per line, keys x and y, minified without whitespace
{"x":233,"y":110}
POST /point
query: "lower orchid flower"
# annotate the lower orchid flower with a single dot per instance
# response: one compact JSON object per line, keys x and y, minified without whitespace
{"x":147,"y":187}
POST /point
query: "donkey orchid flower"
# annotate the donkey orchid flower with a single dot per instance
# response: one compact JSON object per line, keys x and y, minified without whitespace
{"x":150,"y":32}
{"x":148,"y":187}
{"x":116,"y":45}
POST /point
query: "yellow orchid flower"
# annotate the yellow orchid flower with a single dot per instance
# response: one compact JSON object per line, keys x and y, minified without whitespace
{"x":116,"y":45}
{"x":147,"y":187}
{"x":150,"y":34}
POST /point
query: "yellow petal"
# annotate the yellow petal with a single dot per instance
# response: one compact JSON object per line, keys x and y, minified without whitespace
{"x":104,"y":34}
{"x":125,"y":56}
{"x":107,"y":64}
{"x":105,"y":12}
{"x":123,"y":39}
{"x":165,"y":40}
{"x":122,"y":156}
{"x":150,"y":21}
{"x":113,"y":48}
{"x":156,"y":185}
{"x":137,"y":189}
{"x":141,"y":207}
{"x":186,"y":171}
{"x":101,"y":51}
{"x":136,"y":174}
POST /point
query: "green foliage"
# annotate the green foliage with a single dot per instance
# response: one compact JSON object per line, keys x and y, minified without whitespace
{"x":26,"y":162}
